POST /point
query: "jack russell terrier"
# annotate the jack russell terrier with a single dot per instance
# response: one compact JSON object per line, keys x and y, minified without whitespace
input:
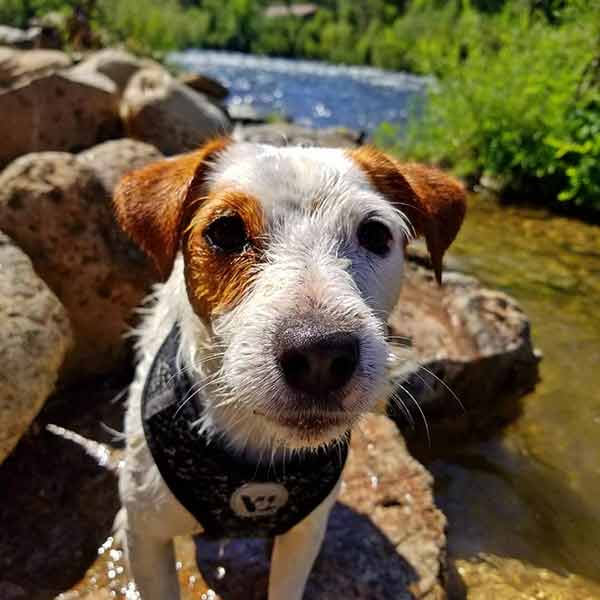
{"x":266,"y":343}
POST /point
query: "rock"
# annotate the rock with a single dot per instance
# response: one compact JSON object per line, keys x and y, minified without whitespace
{"x":20,"y":38}
{"x":280,"y":134}
{"x":204,"y":84}
{"x":473,"y":346}
{"x":161,"y":111}
{"x":245,"y":114}
{"x":19,"y":65}
{"x":58,"y":502}
{"x":60,"y":214}
{"x":111,"y":160}
{"x":509,"y":579}
{"x":385,"y":538}
{"x":116,"y":64}
{"x":57,"y":112}
{"x":35,"y":338}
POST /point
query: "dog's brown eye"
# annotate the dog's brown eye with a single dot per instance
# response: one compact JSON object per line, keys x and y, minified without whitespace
{"x":227,"y":233}
{"x":375,"y":237}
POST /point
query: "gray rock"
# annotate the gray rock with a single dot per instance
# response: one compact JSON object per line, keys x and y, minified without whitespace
{"x":283,"y":134}
{"x":111,"y":160}
{"x":116,"y":64}
{"x":20,"y":65}
{"x":467,"y":345}
{"x":19,"y":38}
{"x":35,"y":338}
{"x":59,"y":212}
{"x":204,"y":84}
{"x":157,"y":109}
{"x":57,"y":112}
{"x":245,"y":114}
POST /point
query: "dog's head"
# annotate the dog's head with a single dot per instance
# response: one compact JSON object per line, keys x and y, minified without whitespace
{"x":292,"y":261}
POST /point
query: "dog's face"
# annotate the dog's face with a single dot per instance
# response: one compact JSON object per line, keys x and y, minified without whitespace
{"x":293,"y":259}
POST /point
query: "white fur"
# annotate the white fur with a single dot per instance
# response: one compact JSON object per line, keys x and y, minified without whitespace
{"x":314,"y":200}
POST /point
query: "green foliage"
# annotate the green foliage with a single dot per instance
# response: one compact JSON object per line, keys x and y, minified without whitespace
{"x":517,"y":93}
{"x":519,"y":103}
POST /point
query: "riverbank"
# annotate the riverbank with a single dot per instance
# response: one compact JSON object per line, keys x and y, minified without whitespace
{"x":517,"y":103}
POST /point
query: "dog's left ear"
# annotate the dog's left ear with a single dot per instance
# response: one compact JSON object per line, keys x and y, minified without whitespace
{"x":151,"y":203}
{"x":434,"y":202}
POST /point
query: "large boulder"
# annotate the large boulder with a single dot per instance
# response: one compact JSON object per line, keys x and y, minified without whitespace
{"x":59,"y":212}
{"x":19,"y":65}
{"x":116,"y":64}
{"x":158,"y":109}
{"x":60,"y":111}
{"x":463,"y":351}
{"x":112,"y":159}
{"x":35,"y":338}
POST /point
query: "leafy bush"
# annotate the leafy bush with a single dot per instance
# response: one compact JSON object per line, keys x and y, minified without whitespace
{"x":517,"y":95}
{"x":514,"y":106}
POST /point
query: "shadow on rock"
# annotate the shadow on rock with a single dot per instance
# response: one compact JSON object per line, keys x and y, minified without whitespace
{"x":58,"y":502}
{"x":357,"y":561}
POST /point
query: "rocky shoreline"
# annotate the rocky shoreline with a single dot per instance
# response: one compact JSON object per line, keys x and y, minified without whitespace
{"x":69,"y":284}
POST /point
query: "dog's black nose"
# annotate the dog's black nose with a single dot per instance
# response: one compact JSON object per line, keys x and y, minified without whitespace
{"x":317,"y":363}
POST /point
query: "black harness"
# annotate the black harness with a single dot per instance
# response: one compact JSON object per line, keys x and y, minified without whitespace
{"x":228,"y":496}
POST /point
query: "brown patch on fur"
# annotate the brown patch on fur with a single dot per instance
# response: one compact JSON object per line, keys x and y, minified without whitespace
{"x":152,"y":204}
{"x":433,"y":201}
{"x":215,"y":280}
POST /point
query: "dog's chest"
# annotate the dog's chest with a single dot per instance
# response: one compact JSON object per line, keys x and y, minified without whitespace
{"x":228,"y":497}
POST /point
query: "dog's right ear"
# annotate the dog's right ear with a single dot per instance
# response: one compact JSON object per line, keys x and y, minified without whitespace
{"x":152,"y":203}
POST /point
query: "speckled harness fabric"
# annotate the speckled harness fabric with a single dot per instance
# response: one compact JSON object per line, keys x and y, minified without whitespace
{"x":229,"y":497}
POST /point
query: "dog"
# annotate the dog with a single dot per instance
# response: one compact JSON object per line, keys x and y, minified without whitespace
{"x":267,"y":341}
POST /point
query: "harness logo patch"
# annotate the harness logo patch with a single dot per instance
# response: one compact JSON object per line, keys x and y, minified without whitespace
{"x":258,"y":499}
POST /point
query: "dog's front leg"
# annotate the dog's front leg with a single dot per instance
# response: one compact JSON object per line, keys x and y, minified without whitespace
{"x":294,"y":552}
{"x":151,"y":561}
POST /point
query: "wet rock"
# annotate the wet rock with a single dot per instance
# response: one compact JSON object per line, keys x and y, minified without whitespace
{"x":59,"y":212}
{"x":59,"y":111}
{"x":19,"y":65}
{"x":468,"y":347}
{"x":280,"y":134}
{"x":116,"y":64}
{"x":385,"y":538}
{"x":158,"y":109}
{"x":509,"y":579}
{"x":35,"y":338}
{"x":204,"y":84}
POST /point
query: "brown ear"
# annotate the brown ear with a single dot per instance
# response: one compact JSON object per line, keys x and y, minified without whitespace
{"x":434,"y":202}
{"x":151,"y":203}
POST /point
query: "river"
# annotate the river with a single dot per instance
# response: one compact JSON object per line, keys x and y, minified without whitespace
{"x":532,"y":491}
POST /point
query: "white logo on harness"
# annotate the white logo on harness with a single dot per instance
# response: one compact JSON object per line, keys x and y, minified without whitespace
{"x":258,"y":499}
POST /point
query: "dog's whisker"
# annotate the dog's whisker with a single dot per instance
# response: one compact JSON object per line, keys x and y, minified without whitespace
{"x":416,"y":403}
{"x":448,"y":388}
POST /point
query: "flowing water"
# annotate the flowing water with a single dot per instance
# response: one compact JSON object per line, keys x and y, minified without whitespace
{"x":532,"y":492}
{"x":312,"y":93}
